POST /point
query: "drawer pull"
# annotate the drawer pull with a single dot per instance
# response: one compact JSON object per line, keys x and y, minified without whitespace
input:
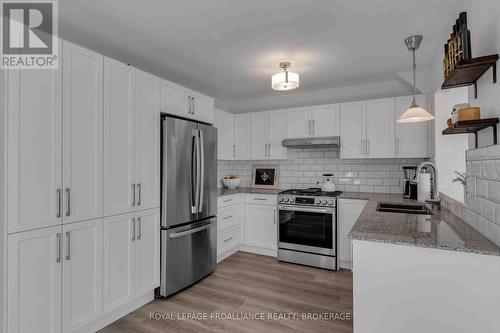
{"x":228,"y":239}
{"x":227,"y":217}
{"x":260,"y":199}
{"x":228,"y":200}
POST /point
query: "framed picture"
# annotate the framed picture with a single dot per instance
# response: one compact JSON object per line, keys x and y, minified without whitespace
{"x":265,"y":176}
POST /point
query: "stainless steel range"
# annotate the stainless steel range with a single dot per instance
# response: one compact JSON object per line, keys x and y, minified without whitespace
{"x":307,"y":231}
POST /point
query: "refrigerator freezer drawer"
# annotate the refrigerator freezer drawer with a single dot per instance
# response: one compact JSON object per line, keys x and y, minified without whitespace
{"x":188,"y":254}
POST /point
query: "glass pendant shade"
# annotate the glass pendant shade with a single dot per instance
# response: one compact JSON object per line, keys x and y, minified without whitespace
{"x":285,"y":81}
{"x":415,"y":114}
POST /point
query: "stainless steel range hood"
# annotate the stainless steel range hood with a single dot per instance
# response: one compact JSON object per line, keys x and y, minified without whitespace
{"x":323,"y":142}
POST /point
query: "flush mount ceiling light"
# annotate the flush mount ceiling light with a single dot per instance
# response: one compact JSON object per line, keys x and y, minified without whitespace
{"x":285,"y":80}
{"x":415,"y":113}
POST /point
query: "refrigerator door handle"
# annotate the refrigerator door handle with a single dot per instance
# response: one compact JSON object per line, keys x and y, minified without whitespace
{"x":202,"y":172}
{"x":194,"y":175}
{"x":190,"y":231}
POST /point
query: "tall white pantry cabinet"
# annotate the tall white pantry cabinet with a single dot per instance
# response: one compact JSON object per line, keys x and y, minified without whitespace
{"x":80,"y":195}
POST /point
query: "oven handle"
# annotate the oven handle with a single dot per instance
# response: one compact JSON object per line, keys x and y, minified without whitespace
{"x":311,"y":209}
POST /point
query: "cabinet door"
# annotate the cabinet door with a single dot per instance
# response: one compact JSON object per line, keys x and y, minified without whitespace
{"x":118,"y":261}
{"x":298,"y":123}
{"x":411,"y":139}
{"x":258,"y":125}
{"x":118,"y":137}
{"x":348,"y":213}
{"x":82,"y":133}
{"x":380,"y":128}
{"x":242,"y":135}
{"x":34,"y":149}
{"x":325,"y":120}
{"x":260,"y":226}
{"x":174,"y":99}
{"x":147,"y":141}
{"x":203,"y":108}
{"x":34,"y":281}
{"x":276,"y":125}
{"x":147,"y":251}
{"x":82,"y":274}
{"x":225,"y":128}
{"x":352,"y":129}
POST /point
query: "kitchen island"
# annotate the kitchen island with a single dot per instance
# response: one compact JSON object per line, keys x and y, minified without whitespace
{"x":422,"y":273}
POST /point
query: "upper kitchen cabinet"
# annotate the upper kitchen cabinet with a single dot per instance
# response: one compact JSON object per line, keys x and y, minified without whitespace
{"x":380,"y":127}
{"x":268,"y":131}
{"x":185,"y":103}
{"x":224,"y":122}
{"x":352,"y":129}
{"x":147,"y":140}
{"x":367,"y":129}
{"x":317,"y":121}
{"x":82,"y":133}
{"x":119,"y":120}
{"x":34,"y":149}
{"x":242,"y":136}
{"x":412,"y":139}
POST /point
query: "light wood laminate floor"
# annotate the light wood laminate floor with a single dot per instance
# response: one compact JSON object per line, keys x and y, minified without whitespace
{"x":246,"y":284}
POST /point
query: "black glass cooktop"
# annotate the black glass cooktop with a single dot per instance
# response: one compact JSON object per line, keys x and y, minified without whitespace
{"x":313,"y":191}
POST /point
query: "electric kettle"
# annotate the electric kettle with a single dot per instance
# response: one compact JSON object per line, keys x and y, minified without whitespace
{"x":328,"y":185}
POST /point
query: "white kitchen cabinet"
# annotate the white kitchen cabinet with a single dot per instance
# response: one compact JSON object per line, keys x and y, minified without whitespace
{"x":298,"y":123}
{"x":34,"y":271}
{"x":82,"y":133}
{"x":380,"y":128}
{"x":34,"y":153}
{"x":352,"y":129}
{"x":82,"y":274}
{"x":268,"y":131}
{"x":412,"y":139}
{"x":119,"y":120}
{"x":348,"y":211}
{"x":175,"y":99}
{"x":118,"y":261}
{"x":147,"y":251}
{"x":242,"y":136}
{"x":260,"y":230}
{"x":325,"y":120}
{"x":224,"y":122}
{"x":229,"y":225}
{"x":202,"y":108}
{"x":147,"y":141}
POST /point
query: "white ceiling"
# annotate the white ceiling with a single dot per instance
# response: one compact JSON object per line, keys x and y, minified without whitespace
{"x":228,"y":49}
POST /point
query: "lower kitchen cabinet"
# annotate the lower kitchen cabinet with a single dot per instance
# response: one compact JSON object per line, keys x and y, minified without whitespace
{"x":130,"y":257}
{"x":229,"y":225}
{"x":348,"y":211}
{"x":261,"y":228}
{"x":34,"y":281}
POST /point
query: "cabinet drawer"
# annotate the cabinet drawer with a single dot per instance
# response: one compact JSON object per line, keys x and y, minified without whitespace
{"x":261,"y":199}
{"x":227,"y":239}
{"x":227,"y":217}
{"x":228,"y":200}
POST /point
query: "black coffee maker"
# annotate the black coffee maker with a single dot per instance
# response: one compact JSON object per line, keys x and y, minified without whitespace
{"x":410,"y":189}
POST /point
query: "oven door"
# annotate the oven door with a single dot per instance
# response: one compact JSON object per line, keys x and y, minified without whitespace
{"x":307,"y":229}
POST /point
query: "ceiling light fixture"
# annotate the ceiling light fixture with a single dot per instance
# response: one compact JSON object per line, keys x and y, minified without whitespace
{"x":285,"y":80}
{"x":415,"y":113}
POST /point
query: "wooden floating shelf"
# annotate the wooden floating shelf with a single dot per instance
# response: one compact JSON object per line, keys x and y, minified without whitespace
{"x":473,"y":126}
{"x":468,"y":72}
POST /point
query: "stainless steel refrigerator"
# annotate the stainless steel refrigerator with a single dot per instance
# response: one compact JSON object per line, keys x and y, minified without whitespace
{"x":189,"y":203}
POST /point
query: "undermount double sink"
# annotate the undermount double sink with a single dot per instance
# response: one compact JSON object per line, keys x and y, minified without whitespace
{"x":418,"y":209}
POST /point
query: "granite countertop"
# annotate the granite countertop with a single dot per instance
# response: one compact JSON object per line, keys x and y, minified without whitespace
{"x":222,"y":191}
{"x":443,"y":230}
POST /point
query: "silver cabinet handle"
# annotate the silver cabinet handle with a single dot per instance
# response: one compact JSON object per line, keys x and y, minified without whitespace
{"x":68,"y":202}
{"x":202,"y":172}
{"x":234,"y":151}
{"x":310,"y":132}
{"x":260,"y":199}
{"x":133,"y":229}
{"x":368,"y":147}
{"x":274,"y":216}
{"x":58,"y":239}
{"x":227,"y":217}
{"x":228,"y":200}
{"x":227,"y":239}
{"x":194,"y":109}
{"x":190,"y":231}
{"x":139,"y":222}
{"x":139,"y":195}
{"x":189,"y":104}
{"x":397,"y":146}
{"x":58,"y":191}
{"x":68,"y":245}
{"x":133,"y":195}
{"x":362,"y":146}
{"x":314,"y":126}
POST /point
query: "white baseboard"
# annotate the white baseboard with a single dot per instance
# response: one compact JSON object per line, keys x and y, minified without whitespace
{"x":117,"y":314}
{"x":345,"y":264}
{"x":259,"y":250}
{"x":225,"y":254}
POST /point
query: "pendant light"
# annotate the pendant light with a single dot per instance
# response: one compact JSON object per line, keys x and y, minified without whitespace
{"x":285,"y":80}
{"x":414,"y":113}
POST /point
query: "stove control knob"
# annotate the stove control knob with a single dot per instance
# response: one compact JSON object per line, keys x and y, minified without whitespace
{"x":286,"y":200}
{"x":330,"y":202}
{"x":323,"y":202}
{"x":292,"y":200}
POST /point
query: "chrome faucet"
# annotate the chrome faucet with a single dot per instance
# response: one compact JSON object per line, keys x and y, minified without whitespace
{"x":435,"y":199}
